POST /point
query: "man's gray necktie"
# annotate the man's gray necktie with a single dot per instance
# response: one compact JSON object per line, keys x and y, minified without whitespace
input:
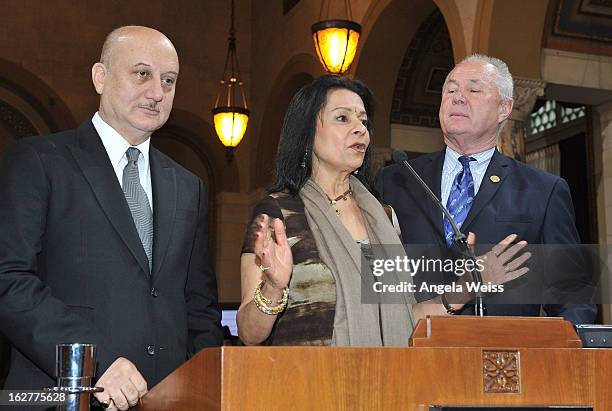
{"x":138,"y":202}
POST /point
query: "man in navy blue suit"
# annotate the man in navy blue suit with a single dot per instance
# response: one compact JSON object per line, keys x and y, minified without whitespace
{"x":490,"y":194}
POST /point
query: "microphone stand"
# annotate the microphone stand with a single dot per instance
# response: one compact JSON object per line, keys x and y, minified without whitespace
{"x":459,"y":238}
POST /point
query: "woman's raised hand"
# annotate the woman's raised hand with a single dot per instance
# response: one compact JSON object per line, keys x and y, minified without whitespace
{"x":272,"y":251}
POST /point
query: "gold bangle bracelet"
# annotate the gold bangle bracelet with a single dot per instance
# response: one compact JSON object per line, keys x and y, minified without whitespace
{"x":263,"y":304}
{"x":262,"y":297}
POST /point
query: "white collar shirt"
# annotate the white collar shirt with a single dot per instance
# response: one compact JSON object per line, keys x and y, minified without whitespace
{"x":116,"y":147}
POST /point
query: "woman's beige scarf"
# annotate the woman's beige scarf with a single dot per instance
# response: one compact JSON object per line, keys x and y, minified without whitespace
{"x":357,"y":323}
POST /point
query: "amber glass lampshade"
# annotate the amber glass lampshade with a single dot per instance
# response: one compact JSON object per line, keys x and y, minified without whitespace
{"x":230,"y":113}
{"x":336,"y":43}
{"x":230,"y":124}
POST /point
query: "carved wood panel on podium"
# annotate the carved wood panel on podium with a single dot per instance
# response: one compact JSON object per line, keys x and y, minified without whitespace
{"x":325,"y":378}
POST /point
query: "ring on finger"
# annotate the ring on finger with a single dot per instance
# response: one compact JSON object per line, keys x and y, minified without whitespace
{"x":263,"y":269}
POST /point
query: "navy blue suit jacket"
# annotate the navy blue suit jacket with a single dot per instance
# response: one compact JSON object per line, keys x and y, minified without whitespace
{"x":526,"y":201}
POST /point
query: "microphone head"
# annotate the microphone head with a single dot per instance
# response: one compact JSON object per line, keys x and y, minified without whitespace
{"x":399,"y":156}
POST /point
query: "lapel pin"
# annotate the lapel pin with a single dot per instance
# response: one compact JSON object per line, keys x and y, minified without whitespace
{"x":495,"y":179}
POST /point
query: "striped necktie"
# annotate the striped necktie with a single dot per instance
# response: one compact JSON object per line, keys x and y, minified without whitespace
{"x":138,"y":202}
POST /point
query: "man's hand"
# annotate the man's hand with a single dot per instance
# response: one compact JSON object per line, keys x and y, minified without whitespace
{"x":505,"y":262}
{"x":123,"y":385}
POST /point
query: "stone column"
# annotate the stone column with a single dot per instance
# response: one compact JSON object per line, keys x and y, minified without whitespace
{"x":605,"y":189}
{"x":604,"y":194}
{"x":512,"y":137}
{"x":233,"y":214}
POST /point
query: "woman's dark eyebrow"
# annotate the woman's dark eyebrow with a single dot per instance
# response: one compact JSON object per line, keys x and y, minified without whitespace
{"x":362,"y":112}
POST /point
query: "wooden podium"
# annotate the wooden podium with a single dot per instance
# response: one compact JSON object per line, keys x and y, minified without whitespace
{"x":453,"y":361}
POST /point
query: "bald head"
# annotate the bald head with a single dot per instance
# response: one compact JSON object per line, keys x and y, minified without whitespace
{"x":136,"y":80}
{"x":124,"y":34}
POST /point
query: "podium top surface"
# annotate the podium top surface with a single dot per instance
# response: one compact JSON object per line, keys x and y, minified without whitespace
{"x":498,"y":332}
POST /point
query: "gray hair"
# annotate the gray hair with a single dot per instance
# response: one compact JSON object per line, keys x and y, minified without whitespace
{"x":503,"y":79}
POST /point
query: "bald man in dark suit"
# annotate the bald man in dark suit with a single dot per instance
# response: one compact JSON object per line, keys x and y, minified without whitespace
{"x":104,"y":238}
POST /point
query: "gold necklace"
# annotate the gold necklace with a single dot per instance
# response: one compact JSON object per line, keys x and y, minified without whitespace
{"x":343,"y":196}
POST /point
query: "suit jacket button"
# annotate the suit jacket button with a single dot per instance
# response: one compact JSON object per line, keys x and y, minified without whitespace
{"x":154,"y":292}
{"x":151,"y":349}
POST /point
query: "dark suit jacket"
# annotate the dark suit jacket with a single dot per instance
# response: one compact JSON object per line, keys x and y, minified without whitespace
{"x":529,"y":202}
{"x":73,"y":269}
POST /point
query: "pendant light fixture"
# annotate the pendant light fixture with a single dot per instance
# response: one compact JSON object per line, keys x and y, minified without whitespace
{"x":336,"y":40}
{"x":231,"y":114}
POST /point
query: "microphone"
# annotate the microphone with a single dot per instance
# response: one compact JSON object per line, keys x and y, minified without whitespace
{"x":400,"y":157}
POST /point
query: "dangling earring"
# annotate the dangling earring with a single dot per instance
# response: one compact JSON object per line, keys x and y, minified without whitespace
{"x":303,"y":165}
{"x":356,"y":172}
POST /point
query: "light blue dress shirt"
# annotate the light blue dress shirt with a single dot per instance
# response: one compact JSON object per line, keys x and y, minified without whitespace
{"x":452,"y":167}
